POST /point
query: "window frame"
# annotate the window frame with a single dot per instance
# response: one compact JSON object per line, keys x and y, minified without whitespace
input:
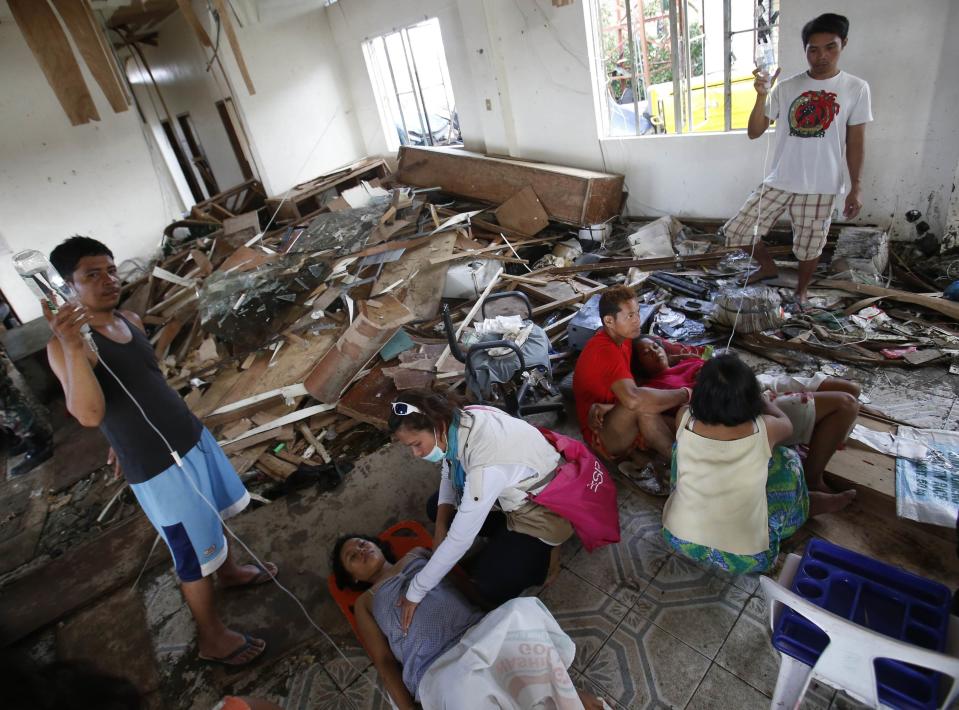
{"x":680,"y":57}
{"x":387,"y":92}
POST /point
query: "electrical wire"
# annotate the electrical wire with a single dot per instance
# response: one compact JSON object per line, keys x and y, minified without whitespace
{"x":756,"y":237}
{"x":180,"y":464}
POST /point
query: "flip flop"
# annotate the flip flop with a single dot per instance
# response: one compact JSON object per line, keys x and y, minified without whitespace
{"x":229,"y":659}
{"x":645,"y":479}
{"x":262,"y":577}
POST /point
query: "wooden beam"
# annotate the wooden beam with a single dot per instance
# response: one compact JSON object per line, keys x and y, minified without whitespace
{"x":941,"y":305}
{"x":571,"y":195}
{"x":224,"y":13}
{"x":186,"y":7}
{"x":78,"y":18}
{"x":377,"y":320}
{"x":50,"y":47}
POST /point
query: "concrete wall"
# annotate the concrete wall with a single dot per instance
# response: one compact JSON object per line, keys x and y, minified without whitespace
{"x":530,"y":61}
{"x":301,"y":121}
{"x":355,"y":21}
{"x":179,"y":67}
{"x":100,"y":179}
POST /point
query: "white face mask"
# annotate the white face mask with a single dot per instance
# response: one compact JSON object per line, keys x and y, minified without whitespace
{"x":437,"y":454}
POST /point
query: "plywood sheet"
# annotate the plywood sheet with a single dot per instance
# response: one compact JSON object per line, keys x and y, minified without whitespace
{"x":579,"y":197}
{"x":369,"y":399}
{"x":523,"y":212}
{"x":423,"y":282}
{"x":890,"y":541}
{"x":50,"y":47}
{"x":86,"y":35}
{"x":79,"y":576}
{"x":82,"y":638}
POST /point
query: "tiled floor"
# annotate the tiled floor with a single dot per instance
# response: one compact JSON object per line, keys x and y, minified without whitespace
{"x":655,"y":630}
{"x":652,"y":630}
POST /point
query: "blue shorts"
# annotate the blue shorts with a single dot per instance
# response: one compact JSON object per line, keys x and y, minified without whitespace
{"x":191,"y":528}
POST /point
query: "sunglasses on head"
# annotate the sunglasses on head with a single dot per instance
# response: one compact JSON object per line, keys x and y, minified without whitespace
{"x":401,"y":409}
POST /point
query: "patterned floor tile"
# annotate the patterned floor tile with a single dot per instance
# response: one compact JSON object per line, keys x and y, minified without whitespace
{"x":640,"y":513}
{"x":693,"y":605}
{"x":625,"y":569}
{"x":345,"y":671}
{"x":367,"y":692}
{"x":583,"y":683}
{"x":584,"y":612}
{"x":721,"y":689}
{"x":748,"y":654}
{"x":643,"y":666}
{"x":345,"y":661}
{"x":312,"y":688}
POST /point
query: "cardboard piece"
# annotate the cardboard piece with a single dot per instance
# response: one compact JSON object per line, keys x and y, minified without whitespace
{"x":523,"y":212}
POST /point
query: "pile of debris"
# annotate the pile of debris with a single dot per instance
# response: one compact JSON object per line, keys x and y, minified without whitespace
{"x":290,"y":323}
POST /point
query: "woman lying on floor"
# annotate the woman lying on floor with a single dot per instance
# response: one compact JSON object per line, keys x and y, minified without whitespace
{"x":737,"y":491}
{"x":515,"y":657}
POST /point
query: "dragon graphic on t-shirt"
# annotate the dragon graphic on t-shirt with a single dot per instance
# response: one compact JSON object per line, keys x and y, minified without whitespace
{"x":811,"y":114}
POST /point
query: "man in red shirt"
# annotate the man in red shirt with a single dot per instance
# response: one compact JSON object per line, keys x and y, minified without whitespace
{"x":603,"y":376}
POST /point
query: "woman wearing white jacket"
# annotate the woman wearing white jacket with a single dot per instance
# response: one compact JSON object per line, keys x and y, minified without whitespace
{"x":491,"y":462}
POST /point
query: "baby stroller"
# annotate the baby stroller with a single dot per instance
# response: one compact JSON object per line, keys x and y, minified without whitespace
{"x":516,"y":378}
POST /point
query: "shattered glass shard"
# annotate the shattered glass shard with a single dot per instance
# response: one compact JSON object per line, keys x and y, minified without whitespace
{"x":345,"y":232}
{"x":247,"y":308}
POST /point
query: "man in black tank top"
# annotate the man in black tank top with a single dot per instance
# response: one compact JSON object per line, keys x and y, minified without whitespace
{"x":180,"y":493}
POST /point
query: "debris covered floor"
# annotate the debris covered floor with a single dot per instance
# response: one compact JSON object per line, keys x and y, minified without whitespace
{"x":651,"y":629}
{"x":290,"y":324}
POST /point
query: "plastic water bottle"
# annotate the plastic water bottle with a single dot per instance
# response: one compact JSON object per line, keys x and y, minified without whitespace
{"x":47,"y":284}
{"x":765,"y":61}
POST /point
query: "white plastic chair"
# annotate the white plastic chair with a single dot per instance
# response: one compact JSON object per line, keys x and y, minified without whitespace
{"x":847,"y":662}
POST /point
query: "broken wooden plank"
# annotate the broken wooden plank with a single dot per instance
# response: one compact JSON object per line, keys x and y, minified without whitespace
{"x":243,"y":460}
{"x":226,"y":21}
{"x":186,"y":7}
{"x":274,"y":467}
{"x":940,"y":305}
{"x":79,"y":577}
{"x":85,"y":32}
{"x":284,"y":433}
{"x":369,"y":399}
{"x":370,"y":331}
{"x":523,"y":213}
{"x":42,"y":31}
{"x":571,"y":195}
{"x":278,"y":423}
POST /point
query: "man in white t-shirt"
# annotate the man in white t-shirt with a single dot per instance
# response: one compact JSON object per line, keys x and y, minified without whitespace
{"x":821,"y":117}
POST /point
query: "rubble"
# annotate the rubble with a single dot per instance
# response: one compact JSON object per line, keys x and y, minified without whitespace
{"x":289,"y":323}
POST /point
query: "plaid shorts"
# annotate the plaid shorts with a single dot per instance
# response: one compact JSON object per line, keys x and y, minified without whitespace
{"x":810,"y":216}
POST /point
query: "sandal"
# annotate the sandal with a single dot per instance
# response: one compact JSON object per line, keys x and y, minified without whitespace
{"x":230,"y":658}
{"x":645,"y":479}
{"x":262,"y":577}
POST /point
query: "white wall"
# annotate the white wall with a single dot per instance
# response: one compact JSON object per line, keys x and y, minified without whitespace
{"x":912,"y":147}
{"x":535,"y":71}
{"x":99,"y":179}
{"x":179,"y":68}
{"x":301,"y":121}
{"x":355,"y":21}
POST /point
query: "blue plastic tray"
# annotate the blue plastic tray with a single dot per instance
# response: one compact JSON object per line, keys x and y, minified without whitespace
{"x":877,"y":596}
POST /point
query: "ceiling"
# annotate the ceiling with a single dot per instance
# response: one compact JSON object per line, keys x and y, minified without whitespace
{"x":136,"y":16}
